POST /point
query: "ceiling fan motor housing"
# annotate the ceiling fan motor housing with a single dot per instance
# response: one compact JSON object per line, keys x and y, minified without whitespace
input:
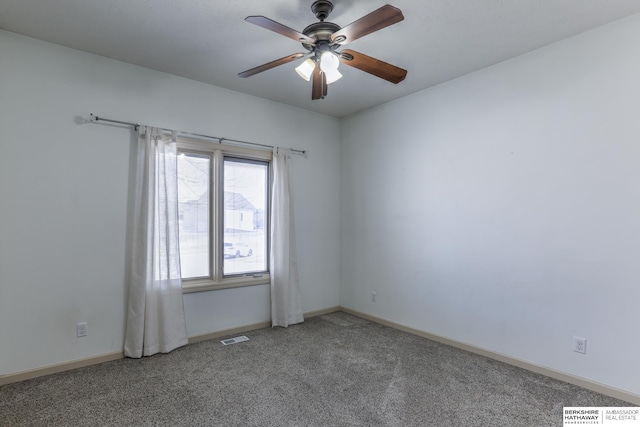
{"x":319,"y":31}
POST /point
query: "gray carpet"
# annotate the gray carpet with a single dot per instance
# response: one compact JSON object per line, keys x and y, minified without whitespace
{"x":333,"y":370}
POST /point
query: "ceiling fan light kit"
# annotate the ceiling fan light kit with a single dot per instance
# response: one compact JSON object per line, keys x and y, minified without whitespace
{"x":323,"y":39}
{"x":305,"y":70}
{"x":329,"y":63}
{"x":332,"y":76}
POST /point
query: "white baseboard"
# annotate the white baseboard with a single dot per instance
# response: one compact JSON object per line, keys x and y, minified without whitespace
{"x":552,"y":373}
{"x":59,"y":367}
{"x":252,"y":327}
{"x":94,"y":360}
{"x":321,"y":312}
{"x":232,"y":331}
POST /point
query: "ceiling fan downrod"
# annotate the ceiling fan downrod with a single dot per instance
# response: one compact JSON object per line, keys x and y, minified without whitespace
{"x":322,"y":9}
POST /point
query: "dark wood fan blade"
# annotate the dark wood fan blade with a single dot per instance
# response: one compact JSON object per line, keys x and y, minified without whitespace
{"x":376,"y":20}
{"x":373,"y":66}
{"x":277,"y":27}
{"x":319,"y":89}
{"x":269,"y":65}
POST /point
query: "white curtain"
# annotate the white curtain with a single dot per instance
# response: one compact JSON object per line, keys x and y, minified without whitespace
{"x":286,"y":308}
{"x":155,"y":316}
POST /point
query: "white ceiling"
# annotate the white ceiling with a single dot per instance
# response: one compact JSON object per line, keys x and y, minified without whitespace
{"x":209,"y":41}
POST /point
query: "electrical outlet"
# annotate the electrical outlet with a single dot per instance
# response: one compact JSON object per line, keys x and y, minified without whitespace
{"x":81,"y":329}
{"x":580,"y":345}
{"x":373,"y":296}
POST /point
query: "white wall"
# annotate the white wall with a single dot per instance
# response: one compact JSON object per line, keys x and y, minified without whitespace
{"x":502,"y":209}
{"x":64,"y":189}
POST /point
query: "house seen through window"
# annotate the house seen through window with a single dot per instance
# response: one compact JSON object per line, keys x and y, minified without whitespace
{"x":223,"y":212}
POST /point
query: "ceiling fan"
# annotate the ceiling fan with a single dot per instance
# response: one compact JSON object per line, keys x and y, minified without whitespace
{"x":322,"y":41}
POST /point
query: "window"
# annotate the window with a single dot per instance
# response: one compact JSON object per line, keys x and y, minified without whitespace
{"x":223,"y":205}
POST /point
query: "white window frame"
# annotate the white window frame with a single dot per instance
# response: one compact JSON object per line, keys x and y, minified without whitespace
{"x":216,"y":279}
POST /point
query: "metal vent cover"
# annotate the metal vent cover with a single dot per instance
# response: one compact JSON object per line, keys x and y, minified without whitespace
{"x":234,"y":340}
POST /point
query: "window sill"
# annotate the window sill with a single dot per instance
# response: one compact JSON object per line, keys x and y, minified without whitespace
{"x":202,"y":285}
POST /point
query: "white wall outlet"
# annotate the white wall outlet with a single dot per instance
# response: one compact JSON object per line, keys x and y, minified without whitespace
{"x":81,"y":329}
{"x":579,"y":345}
{"x":374,"y":296}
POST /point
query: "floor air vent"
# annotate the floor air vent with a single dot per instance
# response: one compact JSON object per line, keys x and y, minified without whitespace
{"x":234,"y":340}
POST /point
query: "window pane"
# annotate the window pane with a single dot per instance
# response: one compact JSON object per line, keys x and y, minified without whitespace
{"x":193,"y":211}
{"x":245,"y":216}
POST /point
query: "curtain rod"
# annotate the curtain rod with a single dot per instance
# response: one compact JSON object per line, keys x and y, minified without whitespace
{"x":221,"y":140}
